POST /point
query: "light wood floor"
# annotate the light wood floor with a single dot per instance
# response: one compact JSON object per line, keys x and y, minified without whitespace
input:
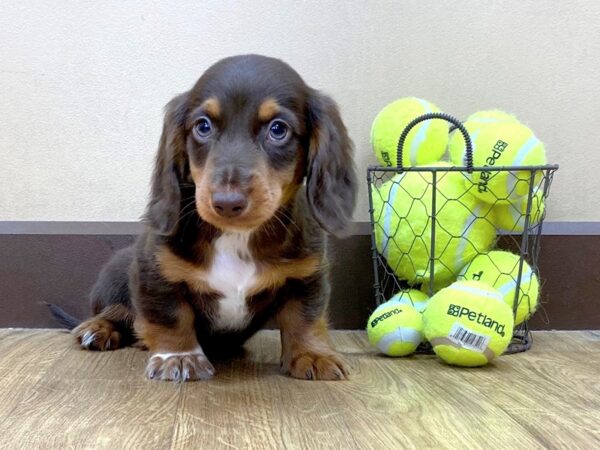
{"x":53,"y":395}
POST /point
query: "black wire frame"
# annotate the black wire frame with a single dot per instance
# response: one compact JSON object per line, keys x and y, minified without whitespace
{"x":527,"y":242}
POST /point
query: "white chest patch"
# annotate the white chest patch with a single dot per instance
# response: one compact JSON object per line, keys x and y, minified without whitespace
{"x":232,"y":273}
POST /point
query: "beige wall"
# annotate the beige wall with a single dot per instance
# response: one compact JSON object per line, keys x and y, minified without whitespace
{"x":82,"y":87}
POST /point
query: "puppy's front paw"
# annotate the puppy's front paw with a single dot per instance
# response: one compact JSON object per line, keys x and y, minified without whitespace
{"x":315,"y":366}
{"x":97,"y":334}
{"x":179,"y":367}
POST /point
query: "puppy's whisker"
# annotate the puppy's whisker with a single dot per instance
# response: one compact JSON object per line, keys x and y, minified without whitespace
{"x":190,"y":197}
{"x":281,"y":214}
{"x":282,"y":224}
{"x":183,"y":212}
{"x":187,"y":205}
{"x":275,"y":216}
{"x":183,"y":215}
{"x":269,"y":227}
{"x":288,"y":217}
{"x":182,"y":218}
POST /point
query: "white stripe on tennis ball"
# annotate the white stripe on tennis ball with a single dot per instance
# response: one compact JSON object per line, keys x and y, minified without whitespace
{"x":486,"y":120}
{"x":513,"y":179}
{"x":518,"y":220}
{"x":518,"y":215}
{"x":511,"y":284}
{"x":387,"y":218}
{"x":460,"y":249}
{"x":406,"y":300}
{"x":524,"y":150}
{"x":399,"y":335}
{"x":496,"y":295}
{"x":421,"y":134}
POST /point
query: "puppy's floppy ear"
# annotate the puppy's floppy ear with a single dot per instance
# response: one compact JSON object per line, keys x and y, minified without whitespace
{"x":331,"y":179}
{"x":170,"y":169}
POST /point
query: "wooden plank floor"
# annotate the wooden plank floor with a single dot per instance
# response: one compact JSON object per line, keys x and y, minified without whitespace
{"x":53,"y":395}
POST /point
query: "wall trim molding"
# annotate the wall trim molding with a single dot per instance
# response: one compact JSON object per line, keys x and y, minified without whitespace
{"x":70,"y":227}
{"x":58,"y":262}
{"x":132,"y":228}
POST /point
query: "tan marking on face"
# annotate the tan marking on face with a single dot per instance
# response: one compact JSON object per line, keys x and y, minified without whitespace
{"x":247,"y":221}
{"x":287,"y":180}
{"x":201,"y":177}
{"x":268,"y":109}
{"x":212,"y":106}
{"x":269,"y":191}
{"x":179,"y":338}
{"x":264,"y":199}
{"x":177,"y":270}
{"x":197,"y":172}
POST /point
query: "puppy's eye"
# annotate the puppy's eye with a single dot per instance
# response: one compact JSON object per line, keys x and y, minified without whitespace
{"x":278,"y":130}
{"x":203,"y":128}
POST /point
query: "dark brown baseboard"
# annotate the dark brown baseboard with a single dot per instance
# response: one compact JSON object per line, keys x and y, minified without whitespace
{"x":61,"y":264}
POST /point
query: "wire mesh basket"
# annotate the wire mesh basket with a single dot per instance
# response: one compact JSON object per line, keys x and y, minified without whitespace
{"x":425,"y":230}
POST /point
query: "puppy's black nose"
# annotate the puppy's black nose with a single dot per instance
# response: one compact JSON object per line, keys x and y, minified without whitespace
{"x":229,"y":203}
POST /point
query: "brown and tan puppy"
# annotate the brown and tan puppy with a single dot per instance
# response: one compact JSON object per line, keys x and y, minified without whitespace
{"x":253,"y":169}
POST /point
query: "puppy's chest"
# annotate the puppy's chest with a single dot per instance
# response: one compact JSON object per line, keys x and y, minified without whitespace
{"x":234,"y":274}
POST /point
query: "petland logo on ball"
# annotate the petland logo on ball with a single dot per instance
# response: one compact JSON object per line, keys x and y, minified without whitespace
{"x":484,"y":176}
{"x":477,"y":276}
{"x":474,"y":316}
{"x":386,"y":159}
{"x":384,"y":316}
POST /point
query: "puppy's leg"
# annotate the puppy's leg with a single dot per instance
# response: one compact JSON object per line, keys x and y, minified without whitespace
{"x":306,"y":350}
{"x":175,"y":353}
{"x":111,"y":327}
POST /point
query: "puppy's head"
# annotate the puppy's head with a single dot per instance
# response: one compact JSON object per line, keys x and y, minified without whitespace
{"x":246,"y":137}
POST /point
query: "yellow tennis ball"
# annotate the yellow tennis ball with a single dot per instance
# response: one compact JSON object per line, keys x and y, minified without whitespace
{"x":395,"y":329}
{"x":437,"y":285}
{"x":500,"y":270}
{"x":491,"y":115}
{"x":411,"y":297}
{"x":456,"y":147}
{"x":402,"y":212}
{"x":425,"y":143}
{"x":468,"y":324}
{"x":495,"y":144}
{"x":510,"y":218}
{"x":456,"y":151}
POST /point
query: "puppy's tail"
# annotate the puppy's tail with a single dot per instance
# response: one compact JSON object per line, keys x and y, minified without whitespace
{"x":62,"y":317}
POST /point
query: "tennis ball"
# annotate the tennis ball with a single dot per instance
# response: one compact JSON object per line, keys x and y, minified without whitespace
{"x":456,"y":151}
{"x":510,"y":218}
{"x":468,"y":324}
{"x":425,"y":143}
{"x":395,"y":329}
{"x":437,"y":285}
{"x":500,"y":270}
{"x":411,"y":297}
{"x":496,"y":144}
{"x":402,"y":212}
{"x":491,"y":115}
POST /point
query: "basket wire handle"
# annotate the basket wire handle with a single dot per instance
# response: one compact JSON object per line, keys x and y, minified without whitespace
{"x":439,"y":115}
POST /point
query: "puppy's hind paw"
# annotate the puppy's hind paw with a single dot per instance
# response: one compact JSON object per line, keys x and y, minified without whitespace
{"x":97,"y":334}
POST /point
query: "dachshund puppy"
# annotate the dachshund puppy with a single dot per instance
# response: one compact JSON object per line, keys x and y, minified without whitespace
{"x":254,"y":170}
